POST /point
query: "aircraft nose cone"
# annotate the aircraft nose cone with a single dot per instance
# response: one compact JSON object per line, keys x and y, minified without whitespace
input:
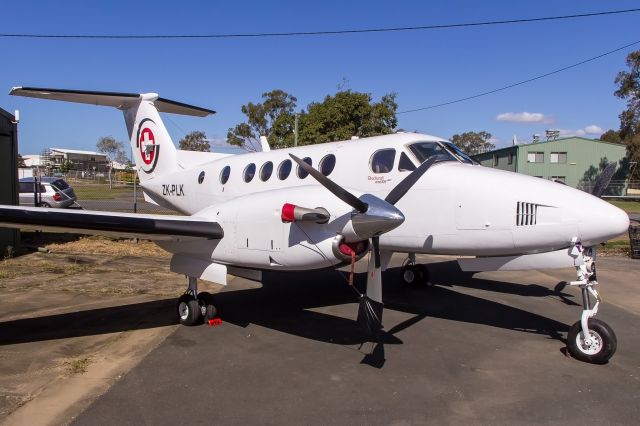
{"x":603,"y":222}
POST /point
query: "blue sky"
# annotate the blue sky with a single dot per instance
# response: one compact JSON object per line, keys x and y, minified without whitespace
{"x":422,"y":67}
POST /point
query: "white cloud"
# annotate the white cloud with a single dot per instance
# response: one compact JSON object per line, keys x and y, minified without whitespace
{"x":594,"y":130}
{"x":589,"y":130}
{"x":523,"y":117}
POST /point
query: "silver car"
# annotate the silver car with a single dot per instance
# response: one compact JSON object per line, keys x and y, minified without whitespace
{"x":52,"y":192}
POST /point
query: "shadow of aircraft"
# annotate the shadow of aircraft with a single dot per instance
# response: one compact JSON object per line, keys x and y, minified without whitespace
{"x":91,"y":322}
{"x":288,"y":302}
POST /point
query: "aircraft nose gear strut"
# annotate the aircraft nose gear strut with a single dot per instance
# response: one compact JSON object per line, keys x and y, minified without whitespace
{"x":590,"y":339}
{"x":193,"y":307}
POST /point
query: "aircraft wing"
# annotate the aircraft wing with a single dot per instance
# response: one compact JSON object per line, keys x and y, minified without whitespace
{"x":128,"y":225}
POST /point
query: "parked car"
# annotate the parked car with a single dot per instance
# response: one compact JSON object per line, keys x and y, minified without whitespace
{"x":54,"y":192}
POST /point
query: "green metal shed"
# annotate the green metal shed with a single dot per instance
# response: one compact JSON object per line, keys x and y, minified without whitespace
{"x":572,"y":160}
{"x":8,"y":174}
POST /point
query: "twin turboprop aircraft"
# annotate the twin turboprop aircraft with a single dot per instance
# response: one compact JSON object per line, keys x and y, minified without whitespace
{"x":326,"y":205}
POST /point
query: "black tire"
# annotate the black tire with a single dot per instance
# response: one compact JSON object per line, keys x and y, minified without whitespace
{"x":411,"y":275}
{"x":426,"y":275}
{"x":188,"y":309}
{"x":46,"y":205}
{"x":602,"y":351}
{"x":207,"y":305}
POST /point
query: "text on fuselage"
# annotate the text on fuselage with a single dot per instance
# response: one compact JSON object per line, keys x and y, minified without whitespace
{"x":173,"y":190}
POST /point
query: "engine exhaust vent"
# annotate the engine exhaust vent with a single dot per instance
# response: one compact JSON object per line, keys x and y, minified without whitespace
{"x":526,"y":214}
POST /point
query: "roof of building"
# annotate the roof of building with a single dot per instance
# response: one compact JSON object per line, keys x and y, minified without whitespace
{"x":552,"y":141}
{"x":76,"y":151}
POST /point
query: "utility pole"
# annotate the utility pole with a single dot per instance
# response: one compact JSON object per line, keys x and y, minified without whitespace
{"x":295,"y":131}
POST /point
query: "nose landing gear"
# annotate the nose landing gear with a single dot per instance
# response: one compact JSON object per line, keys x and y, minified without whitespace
{"x":590,"y":340}
{"x":194,"y":307}
{"x":412,"y":274}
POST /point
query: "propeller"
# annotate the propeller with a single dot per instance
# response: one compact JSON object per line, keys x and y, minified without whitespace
{"x":603,"y":180}
{"x":374,"y":217}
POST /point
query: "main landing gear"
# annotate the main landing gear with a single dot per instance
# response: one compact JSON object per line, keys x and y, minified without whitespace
{"x":194,"y":307}
{"x":590,"y":339}
{"x":412,"y":274}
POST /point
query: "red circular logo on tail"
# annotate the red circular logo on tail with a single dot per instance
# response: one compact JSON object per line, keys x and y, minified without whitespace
{"x":147,"y":143}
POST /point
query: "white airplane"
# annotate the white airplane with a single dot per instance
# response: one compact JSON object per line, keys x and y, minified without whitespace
{"x":405,"y":192}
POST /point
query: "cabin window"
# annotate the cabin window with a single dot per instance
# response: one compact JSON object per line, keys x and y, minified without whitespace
{"x":535,"y":157}
{"x":284,"y":169}
{"x":249,"y":172}
{"x":405,"y":164}
{"x":301,"y":173}
{"x":266,"y":170}
{"x":327,"y":164}
{"x":201,"y":177}
{"x":224,"y":174}
{"x":558,"y":157}
{"x":382,"y":160}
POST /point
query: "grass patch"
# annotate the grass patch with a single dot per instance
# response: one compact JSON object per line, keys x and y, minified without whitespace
{"x":77,"y":366}
{"x":99,"y":192}
{"x":616,"y":247}
{"x":628,"y":206}
{"x":6,"y":275}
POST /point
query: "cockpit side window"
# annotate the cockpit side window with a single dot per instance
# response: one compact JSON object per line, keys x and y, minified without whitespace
{"x":382,"y":160}
{"x":405,"y":163}
{"x":426,"y":150}
{"x":460,"y":153}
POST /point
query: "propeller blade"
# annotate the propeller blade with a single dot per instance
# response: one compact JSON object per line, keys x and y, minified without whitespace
{"x":603,"y":180}
{"x":371,"y":306}
{"x":336,"y":189}
{"x":400,"y":189}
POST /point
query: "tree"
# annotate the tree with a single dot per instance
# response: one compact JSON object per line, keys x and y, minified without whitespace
{"x":629,"y":89}
{"x":348,"y":114}
{"x":611,"y":136}
{"x":20,"y":162}
{"x":195,"y":141}
{"x":337,"y":117}
{"x":110,"y":147}
{"x":273,"y":118}
{"x":473,"y":143}
{"x":65,"y":166}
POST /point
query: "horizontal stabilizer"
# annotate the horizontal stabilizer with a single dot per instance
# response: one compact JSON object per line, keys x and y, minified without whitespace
{"x":112,"y":99}
{"x":127,"y":225}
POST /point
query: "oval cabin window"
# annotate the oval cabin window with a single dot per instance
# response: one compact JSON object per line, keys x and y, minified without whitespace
{"x":266,"y":170}
{"x":284,"y":169}
{"x":301,"y":173}
{"x":249,"y":172}
{"x":327,"y":164}
{"x":224,"y":174}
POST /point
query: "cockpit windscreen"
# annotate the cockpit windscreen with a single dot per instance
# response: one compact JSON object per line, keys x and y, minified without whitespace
{"x":426,"y":150}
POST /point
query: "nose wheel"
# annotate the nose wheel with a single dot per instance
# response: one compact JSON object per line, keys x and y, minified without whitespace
{"x":194,"y":307}
{"x":413,"y":274}
{"x":590,"y":340}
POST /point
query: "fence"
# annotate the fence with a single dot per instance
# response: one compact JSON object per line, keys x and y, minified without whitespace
{"x":615,"y":188}
{"x":95,"y":194}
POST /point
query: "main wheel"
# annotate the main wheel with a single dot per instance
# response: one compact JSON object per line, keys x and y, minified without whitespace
{"x":207,"y":305}
{"x":426,"y":275}
{"x":411,"y":275}
{"x":189,"y":311}
{"x":603,"y":342}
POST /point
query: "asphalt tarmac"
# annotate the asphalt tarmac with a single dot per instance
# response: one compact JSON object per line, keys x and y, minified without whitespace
{"x":487,"y":349}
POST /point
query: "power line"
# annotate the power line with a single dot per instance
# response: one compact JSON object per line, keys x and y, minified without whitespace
{"x":529,"y":80}
{"x":315,"y":33}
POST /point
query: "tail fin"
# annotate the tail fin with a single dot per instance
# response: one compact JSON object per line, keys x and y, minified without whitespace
{"x":153,"y":150}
